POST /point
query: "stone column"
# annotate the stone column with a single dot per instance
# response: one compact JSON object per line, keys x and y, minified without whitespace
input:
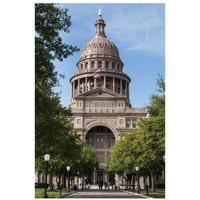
{"x":126,"y":83}
{"x":89,"y":65}
{"x":74,"y":83}
{"x":94,"y":177}
{"x":113,"y":84}
{"x":71,"y":90}
{"x":78,"y":89}
{"x":128,"y":92}
{"x":95,"y":83}
{"x":89,"y":88}
{"x":85,"y":84}
{"x":120,"y":86}
{"x":103,"y":64}
{"x":104,"y":83}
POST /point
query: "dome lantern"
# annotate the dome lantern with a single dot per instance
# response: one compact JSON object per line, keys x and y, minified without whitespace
{"x":100,"y":26}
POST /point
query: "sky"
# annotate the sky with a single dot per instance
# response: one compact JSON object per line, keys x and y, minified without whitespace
{"x":138,"y":31}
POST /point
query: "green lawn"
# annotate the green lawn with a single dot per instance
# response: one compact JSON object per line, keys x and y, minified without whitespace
{"x":159,"y":193}
{"x":39,"y":192}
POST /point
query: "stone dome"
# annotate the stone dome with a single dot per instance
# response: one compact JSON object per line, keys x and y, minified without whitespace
{"x":100,"y":45}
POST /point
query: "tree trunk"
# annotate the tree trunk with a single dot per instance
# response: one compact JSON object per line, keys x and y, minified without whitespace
{"x":133,"y":184}
{"x":51,"y":180}
{"x":64,"y":183}
{"x":152,"y":181}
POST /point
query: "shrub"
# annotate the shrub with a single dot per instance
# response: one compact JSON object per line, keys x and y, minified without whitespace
{"x":40,"y":185}
{"x":159,"y":186}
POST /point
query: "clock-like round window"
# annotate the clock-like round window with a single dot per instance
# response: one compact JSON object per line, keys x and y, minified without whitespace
{"x":100,"y":93}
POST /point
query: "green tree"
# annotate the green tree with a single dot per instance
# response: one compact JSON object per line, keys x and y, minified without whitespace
{"x":145,"y":146}
{"x":53,"y":132}
{"x":49,"y":21}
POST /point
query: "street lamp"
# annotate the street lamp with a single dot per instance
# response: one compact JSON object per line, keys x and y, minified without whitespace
{"x":137,"y":169}
{"x":46,"y":157}
{"x":68,"y":168}
{"x":164,"y":158}
{"x":77,"y":179}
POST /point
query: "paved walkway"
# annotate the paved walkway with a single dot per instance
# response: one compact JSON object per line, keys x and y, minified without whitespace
{"x":102,"y":194}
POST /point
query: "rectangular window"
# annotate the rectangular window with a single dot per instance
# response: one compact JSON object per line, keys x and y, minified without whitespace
{"x":102,"y":142}
{"x":102,"y":157}
{"x":128,"y":123}
{"x":134,"y":123}
{"x":91,"y":104}
{"x":102,"y":104}
{"x":114,"y":104}
{"x":96,"y":104}
{"x":91,"y":141}
{"x":98,"y":143}
{"x":108,"y":105}
{"x":121,"y":121}
{"x":109,"y":142}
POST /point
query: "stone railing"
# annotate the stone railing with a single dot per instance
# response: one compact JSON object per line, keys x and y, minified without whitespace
{"x":109,"y":110}
{"x":136,"y":110}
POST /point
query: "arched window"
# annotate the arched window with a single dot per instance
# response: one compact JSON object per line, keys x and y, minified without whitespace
{"x":86,"y":65}
{"x":113,"y":65}
{"x":81,"y":66}
{"x":100,"y":64}
{"x":107,"y":64}
{"x":93,"y":64}
{"x":118,"y":67}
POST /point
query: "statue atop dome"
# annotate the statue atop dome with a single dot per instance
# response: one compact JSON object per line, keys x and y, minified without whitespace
{"x":100,"y":11}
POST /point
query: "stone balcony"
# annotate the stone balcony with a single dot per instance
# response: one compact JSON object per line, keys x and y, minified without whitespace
{"x":109,"y":110}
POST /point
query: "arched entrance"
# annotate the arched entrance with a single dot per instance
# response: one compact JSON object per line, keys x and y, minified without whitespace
{"x":101,"y":138}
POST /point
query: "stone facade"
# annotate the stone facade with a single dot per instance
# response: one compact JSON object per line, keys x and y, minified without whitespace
{"x":101,"y":107}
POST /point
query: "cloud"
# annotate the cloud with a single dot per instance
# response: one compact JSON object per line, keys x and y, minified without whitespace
{"x":139,"y":28}
{"x":134,"y":27}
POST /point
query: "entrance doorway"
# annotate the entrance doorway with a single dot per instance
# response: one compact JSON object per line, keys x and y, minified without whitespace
{"x":99,"y":176}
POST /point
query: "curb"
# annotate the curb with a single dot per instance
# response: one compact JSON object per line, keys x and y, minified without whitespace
{"x":64,"y":195}
{"x":137,"y":194}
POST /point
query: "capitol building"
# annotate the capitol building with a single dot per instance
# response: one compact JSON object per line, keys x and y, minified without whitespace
{"x":100,"y":99}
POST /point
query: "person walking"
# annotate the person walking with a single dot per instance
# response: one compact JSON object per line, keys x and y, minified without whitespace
{"x":101,"y":184}
{"x":84,"y":185}
{"x":106,"y":185}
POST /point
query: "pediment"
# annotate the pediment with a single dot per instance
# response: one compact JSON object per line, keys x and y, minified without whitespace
{"x":101,"y":92}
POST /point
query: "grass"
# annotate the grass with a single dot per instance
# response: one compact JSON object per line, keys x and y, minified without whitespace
{"x":159,"y":193}
{"x":39,"y":192}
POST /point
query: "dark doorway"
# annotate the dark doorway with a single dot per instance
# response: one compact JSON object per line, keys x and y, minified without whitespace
{"x":99,"y":176}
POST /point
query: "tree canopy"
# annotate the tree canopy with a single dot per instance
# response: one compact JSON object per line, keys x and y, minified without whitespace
{"x":53,"y":132}
{"x":144,"y":146}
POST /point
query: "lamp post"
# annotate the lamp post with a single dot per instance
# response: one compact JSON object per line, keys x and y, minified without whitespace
{"x":164,"y":168}
{"x":46,"y":157}
{"x":77,"y":179}
{"x":125,"y":179}
{"x":137,"y":169}
{"x":68,"y":168}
